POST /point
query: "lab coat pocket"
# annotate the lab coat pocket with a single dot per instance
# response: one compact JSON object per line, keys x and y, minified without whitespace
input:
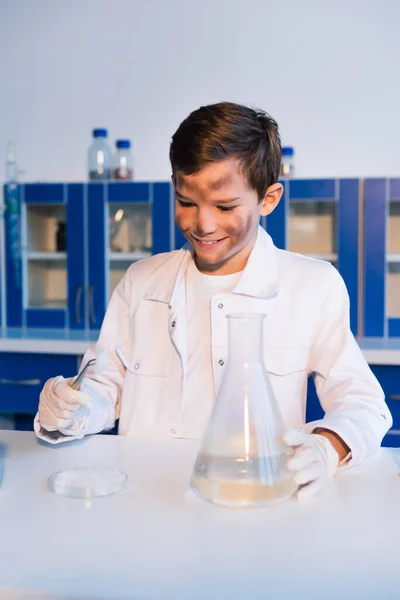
{"x":287,"y":368}
{"x":150,"y":362}
{"x":286,"y":360}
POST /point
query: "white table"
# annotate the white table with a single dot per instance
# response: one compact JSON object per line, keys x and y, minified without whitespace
{"x":156,"y":541}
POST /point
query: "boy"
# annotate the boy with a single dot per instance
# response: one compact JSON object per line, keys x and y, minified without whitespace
{"x":165,"y":332}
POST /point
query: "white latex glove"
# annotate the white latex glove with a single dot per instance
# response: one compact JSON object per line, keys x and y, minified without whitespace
{"x":61,"y":408}
{"x":314,"y":462}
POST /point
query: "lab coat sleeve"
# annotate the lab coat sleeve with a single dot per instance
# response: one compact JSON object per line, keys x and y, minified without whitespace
{"x":349,"y":393}
{"x":105,"y":386}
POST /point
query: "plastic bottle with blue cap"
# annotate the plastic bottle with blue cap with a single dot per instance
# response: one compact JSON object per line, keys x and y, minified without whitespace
{"x":99,"y":156}
{"x":287,"y":164}
{"x":123,"y":161}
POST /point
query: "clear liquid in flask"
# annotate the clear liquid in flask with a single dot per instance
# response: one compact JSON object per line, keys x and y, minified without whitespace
{"x":241,"y":482}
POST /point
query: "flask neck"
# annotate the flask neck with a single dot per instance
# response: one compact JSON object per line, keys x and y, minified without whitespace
{"x":245,"y":335}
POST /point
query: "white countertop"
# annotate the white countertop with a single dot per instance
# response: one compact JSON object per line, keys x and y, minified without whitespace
{"x":380,"y":351}
{"x":156,"y":541}
{"x":377,"y":351}
{"x":46,"y":341}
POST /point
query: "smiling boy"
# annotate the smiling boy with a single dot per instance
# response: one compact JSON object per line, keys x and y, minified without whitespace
{"x":165,"y":327}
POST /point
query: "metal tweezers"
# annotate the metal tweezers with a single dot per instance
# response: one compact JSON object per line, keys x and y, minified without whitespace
{"x":77,"y":382}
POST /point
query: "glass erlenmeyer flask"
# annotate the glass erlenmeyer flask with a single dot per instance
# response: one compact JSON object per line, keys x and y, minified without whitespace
{"x":242,"y":459}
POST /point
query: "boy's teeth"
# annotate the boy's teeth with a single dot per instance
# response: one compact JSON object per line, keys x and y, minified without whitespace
{"x":213,"y":242}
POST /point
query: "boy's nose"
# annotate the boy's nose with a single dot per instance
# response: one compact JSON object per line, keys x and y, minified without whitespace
{"x":205,"y":223}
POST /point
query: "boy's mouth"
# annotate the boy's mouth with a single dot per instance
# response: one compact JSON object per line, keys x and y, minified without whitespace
{"x":207,"y":244}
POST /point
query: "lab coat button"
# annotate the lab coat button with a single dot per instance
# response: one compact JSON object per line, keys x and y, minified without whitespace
{"x":221,"y":362}
{"x":220,"y":305}
{"x":136,"y":366}
{"x":173,"y":431}
{"x":173,"y":323}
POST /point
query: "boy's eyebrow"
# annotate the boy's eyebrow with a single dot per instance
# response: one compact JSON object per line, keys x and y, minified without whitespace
{"x":224,"y":201}
{"x":178,"y":193}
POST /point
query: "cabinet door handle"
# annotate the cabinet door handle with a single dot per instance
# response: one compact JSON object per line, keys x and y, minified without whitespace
{"x":92,"y":314}
{"x":19,"y":381}
{"x":78,"y":296}
{"x":394,"y":397}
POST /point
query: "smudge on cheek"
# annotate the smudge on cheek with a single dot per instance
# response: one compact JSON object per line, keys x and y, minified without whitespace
{"x":240,"y":226}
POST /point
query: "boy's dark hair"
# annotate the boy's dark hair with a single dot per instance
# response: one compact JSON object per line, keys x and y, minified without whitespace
{"x":227,"y":130}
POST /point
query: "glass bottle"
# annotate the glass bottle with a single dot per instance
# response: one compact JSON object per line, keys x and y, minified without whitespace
{"x":242,"y":458}
{"x":61,"y":237}
{"x":13,"y":213}
{"x":287,"y":163}
{"x":99,"y":156}
{"x":123,"y":161}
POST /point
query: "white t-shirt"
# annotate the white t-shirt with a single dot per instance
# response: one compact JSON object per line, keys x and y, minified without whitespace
{"x":199,"y":395}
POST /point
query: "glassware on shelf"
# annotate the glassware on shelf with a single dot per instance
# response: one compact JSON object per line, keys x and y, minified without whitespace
{"x":44,"y":257}
{"x":99,"y":156}
{"x":130,"y":229}
{"x":394,"y":228}
{"x":61,"y":237}
{"x":46,"y":228}
{"x":130,"y":238}
{"x":123,"y":161}
{"x":287,"y":163}
{"x":47,"y":282}
{"x":242,"y":458}
{"x":140,"y":229}
{"x":312,"y":229}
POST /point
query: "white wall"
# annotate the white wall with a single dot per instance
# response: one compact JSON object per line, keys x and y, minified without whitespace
{"x":326,"y":70}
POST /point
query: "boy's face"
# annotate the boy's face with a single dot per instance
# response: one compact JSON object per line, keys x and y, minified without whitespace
{"x":219,"y":214}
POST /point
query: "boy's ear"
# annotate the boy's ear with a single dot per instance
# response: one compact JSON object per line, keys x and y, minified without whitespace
{"x":271,"y":199}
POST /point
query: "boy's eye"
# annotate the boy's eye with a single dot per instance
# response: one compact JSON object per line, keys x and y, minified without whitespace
{"x":184,"y":203}
{"x":188,"y":204}
{"x":226,"y":208}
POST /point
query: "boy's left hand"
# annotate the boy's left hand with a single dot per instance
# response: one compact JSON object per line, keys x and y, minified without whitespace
{"x":314,"y":462}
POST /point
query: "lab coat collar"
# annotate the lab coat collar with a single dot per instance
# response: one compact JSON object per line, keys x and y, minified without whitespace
{"x":259,"y":278}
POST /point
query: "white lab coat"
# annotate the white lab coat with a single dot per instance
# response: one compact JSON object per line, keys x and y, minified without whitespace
{"x":306,"y":331}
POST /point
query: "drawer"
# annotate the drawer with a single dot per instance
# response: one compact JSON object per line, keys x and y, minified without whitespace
{"x":392,"y":439}
{"x":22,"y":377}
{"x":389,"y":378}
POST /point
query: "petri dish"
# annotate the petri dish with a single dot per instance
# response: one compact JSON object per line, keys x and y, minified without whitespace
{"x":90,"y":482}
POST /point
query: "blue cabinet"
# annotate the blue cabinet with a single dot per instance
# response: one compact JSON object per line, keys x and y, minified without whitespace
{"x":389,"y":378}
{"x":320,"y":218}
{"x":382,"y":258}
{"x":37,"y":293}
{"x":77,"y":241}
{"x":22,"y":376}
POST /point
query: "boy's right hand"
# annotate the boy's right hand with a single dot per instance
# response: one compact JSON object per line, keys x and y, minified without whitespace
{"x":61,"y":408}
